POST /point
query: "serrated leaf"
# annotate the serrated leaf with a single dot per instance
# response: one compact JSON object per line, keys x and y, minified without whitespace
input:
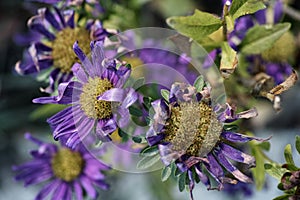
{"x":261,"y":37}
{"x":199,"y":83}
{"x":274,"y":170}
{"x":165,"y":173}
{"x":298,"y":143}
{"x":149,"y":151}
{"x":182,"y":181}
{"x":147,"y":161}
{"x":288,"y":154}
{"x":244,"y":7}
{"x":228,"y":60}
{"x":165,"y":94}
{"x":197,"y":26}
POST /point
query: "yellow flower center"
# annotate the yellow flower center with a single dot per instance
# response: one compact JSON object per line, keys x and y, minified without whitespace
{"x":67,"y":165}
{"x":62,"y":47}
{"x":193,"y":128}
{"x":93,"y":108}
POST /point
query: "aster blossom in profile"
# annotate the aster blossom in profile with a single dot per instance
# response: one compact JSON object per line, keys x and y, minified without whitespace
{"x":68,"y":173}
{"x":52,"y":54}
{"x":188,"y":131}
{"x":98,"y":102}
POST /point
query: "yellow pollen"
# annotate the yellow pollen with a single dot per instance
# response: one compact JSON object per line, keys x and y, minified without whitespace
{"x":67,"y":165}
{"x":93,"y":108}
{"x":190,"y":126}
{"x":62,"y":47}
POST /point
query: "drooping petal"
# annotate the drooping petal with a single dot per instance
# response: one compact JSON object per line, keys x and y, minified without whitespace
{"x":232,"y":169}
{"x":47,"y":190}
{"x":278,"y":11}
{"x":237,"y":155}
{"x":68,"y":93}
{"x":203,"y":178}
{"x":237,"y":137}
{"x":78,"y":191}
{"x":60,"y":191}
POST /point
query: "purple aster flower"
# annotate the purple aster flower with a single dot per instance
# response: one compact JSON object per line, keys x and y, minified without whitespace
{"x":279,"y":71}
{"x":239,"y":188}
{"x":98,"y":103}
{"x":52,"y":53}
{"x":68,"y":173}
{"x":189,"y":130}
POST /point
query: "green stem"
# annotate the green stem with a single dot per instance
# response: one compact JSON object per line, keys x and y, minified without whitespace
{"x":225,"y":13}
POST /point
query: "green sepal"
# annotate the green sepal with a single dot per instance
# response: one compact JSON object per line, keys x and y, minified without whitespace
{"x":148,"y":161}
{"x":199,"y":83}
{"x":165,"y":94}
{"x":149,"y":151}
{"x":275,"y":170}
{"x":298,"y":143}
{"x":288,"y":155}
{"x":182,"y":181}
{"x":166,"y":173}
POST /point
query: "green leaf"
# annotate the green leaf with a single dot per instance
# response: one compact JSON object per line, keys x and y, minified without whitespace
{"x":283,"y":197}
{"x":288,"y":154}
{"x":137,"y":139}
{"x":298,"y":143}
{"x":258,"y":171}
{"x":199,"y":83}
{"x":139,"y":83}
{"x":182,"y":181}
{"x":165,"y":173}
{"x":244,"y":7}
{"x":46,"y":111}
{"x":149,"y":151}
{"x":165,"y":94}
{"x":265,"y":145}
{"x":135,"y":111}
{"x":228,"y":61}
{"x":261,"y":38}
{"x":147,"y":161}
{"x":197,"y":26}
{"x":275,"y":170}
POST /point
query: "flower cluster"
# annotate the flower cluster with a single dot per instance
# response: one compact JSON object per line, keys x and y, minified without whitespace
{"x":193,"y":132}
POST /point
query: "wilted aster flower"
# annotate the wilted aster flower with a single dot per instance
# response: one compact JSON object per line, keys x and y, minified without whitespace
{"x":53,"y":53}
{"x":96,"y":98}
{"x":189,"y":130}
{"x":68,"y":173}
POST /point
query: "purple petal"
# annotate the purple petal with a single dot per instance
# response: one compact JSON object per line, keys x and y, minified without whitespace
{"x":214,"y":168}
{"x":167,"y":154}
{"x":60,"y":191}
{"x":62,"y":20}
{"x":261,"y":16}
{"x":68,"y":93}
{"x":114,"y":94}
{"x":89,"y":188}
{"x":131,"y":97}
{"x":210,"y":59}
{"x":237,"y":155}
{"x":84,"y":60}
{"x":51,"y":19}
{"x":278,"y":11}
{"x":192,"y":183}
{"x":47,"y":190}
{"x":97,"y":58}
{"x":232,"y":169}
{"x":78,"y":191}
{"x":35,"y":24}
{"x":70,"y":20}
{"x":79,"y":73}
{"x":153,"y":140}
{"x":203,"y":178}
{"x":237,"y":137}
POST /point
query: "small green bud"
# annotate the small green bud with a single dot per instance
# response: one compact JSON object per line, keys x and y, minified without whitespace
{"x":283,"y":49}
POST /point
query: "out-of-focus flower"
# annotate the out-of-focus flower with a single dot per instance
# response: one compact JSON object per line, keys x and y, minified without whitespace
{"x":52,"y":54}
{"x":189,"y":130}
{"x":98,"y":101}
{"x":69,"y":173}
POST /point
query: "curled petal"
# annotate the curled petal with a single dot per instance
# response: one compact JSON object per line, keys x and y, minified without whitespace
{"x":237,"y":137}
